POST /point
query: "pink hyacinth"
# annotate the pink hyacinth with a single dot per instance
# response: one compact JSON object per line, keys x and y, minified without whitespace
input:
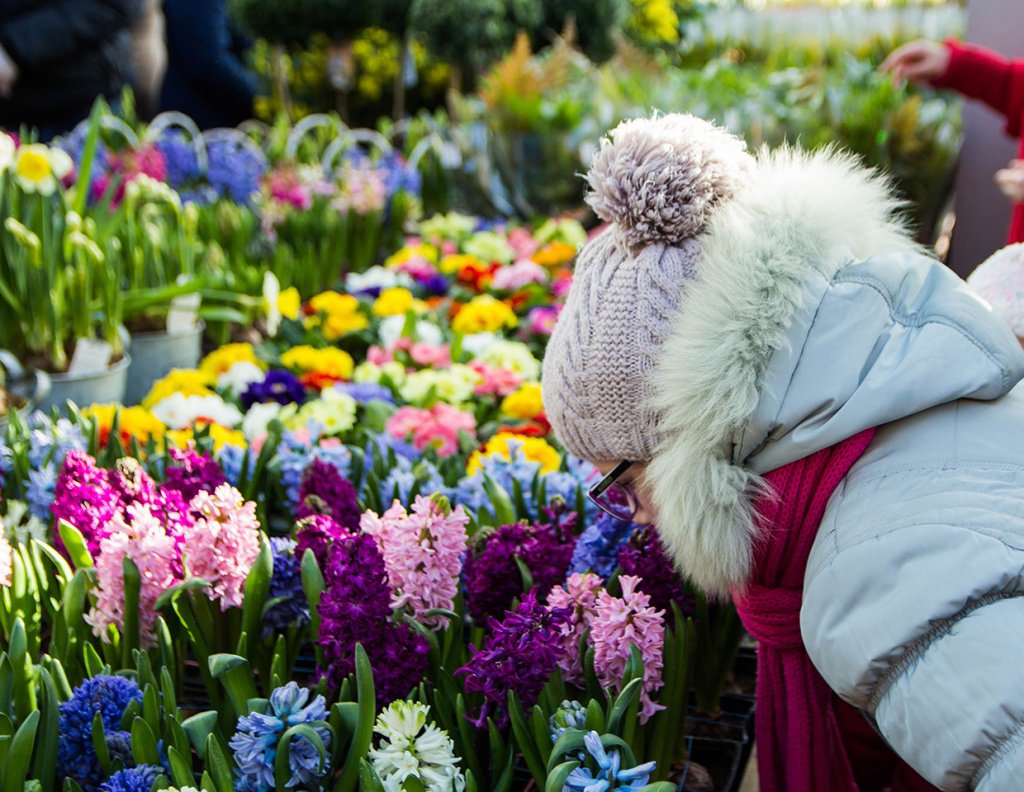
{"x":437,"y":427}
{"x":144,"y":540}
{"x":620,"y":623}
{"x":494,"y":381}
{"x":422,"y":553}
{"x":224,"y":544}
{"x":580,"y":597}
{"x":6,"y":561}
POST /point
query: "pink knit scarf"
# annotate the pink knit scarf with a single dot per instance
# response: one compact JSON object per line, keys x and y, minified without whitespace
{"x":799,"y":746}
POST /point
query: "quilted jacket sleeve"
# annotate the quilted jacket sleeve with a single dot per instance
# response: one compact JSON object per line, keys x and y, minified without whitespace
{"x":63,"y":29}
{"x":914,"y":594}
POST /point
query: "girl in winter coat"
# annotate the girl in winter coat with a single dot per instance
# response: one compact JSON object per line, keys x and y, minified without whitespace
{"x":823,"y":422}
{"x":977,"y":73}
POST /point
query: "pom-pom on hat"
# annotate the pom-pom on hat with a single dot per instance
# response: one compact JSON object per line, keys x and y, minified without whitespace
{"x":657,"y":181}
{"x":1000,"y":282}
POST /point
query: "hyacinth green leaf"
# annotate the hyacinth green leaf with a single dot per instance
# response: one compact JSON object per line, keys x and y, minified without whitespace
{"x":623,"y":703}
{"x":282,"y":764}
{"x":504,"y":510}
{"x":199,"y":728}
{"x":257,"y":587}
{"x":144,"y":748}
{"x":471,"y":785}
{"x":178,"y":739}
{"x":206,"y":782}
{"x":181,"y":768}
{"x":130,"y":636}
{"x":24,"y":674}
{"x":64,"y":571}
{"x":659,"y":786}
{"x":594,"y":720}
{"x":91,"y":659}
{"x":218,"y":765}
{"x":559,"y":775}
{"x":531,"y":754}
{"x":75,"y":544}
{"x":541,"y":734}
{"x":151,"y":708}
{"x":467,"y":737}
{"x":71,"y":786}
{"x":170,"y":700}
{"x":368,"y":779}
{"x":99,"y":743}
{"x":44,"y":767}
{"x":363,"y":734}
{"x":611,"y":742}
{"x":167,"y":596}
{"x":20,"y":754}
{"x":570,"y":742}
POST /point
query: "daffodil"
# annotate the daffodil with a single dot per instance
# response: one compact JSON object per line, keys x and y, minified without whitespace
{"x":40,"y":168}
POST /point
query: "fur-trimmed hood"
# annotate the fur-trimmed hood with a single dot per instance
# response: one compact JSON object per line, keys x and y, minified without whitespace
{"x":812,"y":316}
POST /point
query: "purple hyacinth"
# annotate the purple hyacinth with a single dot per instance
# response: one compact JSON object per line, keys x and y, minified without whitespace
{"x":644,"y":556}
{"x":325,"y":491}
{"x":355,"y":608}
{"x":107,"y":695}
{"x":492,"y":577}
{"x":191,"y":473}
{"x":318,"y":533}
{"x":519,"y":656}
{"x":85,"y":498}
{"x":282,"y":387}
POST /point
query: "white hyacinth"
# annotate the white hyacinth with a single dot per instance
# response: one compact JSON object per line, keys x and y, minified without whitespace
{"x":412,"y":748}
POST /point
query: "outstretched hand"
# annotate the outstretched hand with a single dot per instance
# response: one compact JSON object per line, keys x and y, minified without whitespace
{"x":1011,"y":180}
{"x":919,"y":61}
{"x":8,"y":74}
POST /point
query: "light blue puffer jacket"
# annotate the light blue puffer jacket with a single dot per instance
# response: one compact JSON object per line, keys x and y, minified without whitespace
{"x":811,"y":319}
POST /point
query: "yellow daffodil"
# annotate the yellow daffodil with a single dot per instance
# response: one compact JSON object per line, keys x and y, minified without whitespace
{"x":524,"y":403}
{"x":535,"y":449}
{"x":39,"y":168}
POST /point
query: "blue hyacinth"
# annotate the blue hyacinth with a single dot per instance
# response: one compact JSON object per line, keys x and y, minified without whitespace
{"x":610,"y":773}
{"x":230,"y":458}
{"x":42,"y":482}
{"x":180,"y":156}
{"x":234,"y":170}
{"x":107,"y":695}
{"x":598,"y":547}
{"x":134,"y":779}
{"x":256,"y":740}
{"x":286,"y":586}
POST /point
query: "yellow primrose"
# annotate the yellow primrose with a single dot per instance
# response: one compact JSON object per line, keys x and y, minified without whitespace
{"x":133,"y":422}
{"x":331,"y":362}
{"x":334,"y":411}
{"x":555,"y":254}
{"x":39,"y":168}
{"x":535,"y":449}
{"x":483,"y":314}
{"x":220,"y":360}
{"x":524,"y":403}
{"x":454,"y":263}
{"x":421,"y":250}
{"x":370,"y":372}
{"x":393,"y":302}
{"x":188,"y":382}
{"x":289,"y":303}
{"x":513,"y":356}
{"x":337,"y":315}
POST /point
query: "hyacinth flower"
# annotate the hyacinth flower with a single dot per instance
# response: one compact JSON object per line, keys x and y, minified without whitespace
{"x":107,"y":696}
{"x":133,"y":779}
{"x":412,"y":748}
{"x":325,"y":491}
{"x":518,"y":656}
{"x":256,"y":742}
{"x":422,"y":553}
{"x":610,"y":773}
{"x":579,"y":597}
{"x":569,"y":715}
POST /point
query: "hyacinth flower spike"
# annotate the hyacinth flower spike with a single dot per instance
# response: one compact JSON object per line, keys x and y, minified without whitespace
{"x":610,"y":775}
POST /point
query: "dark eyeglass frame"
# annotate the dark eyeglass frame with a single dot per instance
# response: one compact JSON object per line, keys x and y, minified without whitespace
{"x":596,"y":493}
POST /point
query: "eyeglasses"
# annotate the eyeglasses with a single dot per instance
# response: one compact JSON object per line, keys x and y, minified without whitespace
{"x":614,"y":498}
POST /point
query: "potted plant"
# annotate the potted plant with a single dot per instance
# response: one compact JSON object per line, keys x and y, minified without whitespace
{"x":57,"y":285}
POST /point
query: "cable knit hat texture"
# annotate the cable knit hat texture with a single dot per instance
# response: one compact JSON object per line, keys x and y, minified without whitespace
{"x":657,"y":182}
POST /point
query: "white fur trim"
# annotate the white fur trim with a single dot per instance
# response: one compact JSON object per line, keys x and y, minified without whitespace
{"x":802,"y":214}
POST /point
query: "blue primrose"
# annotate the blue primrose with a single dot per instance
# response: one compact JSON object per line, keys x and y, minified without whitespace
{"x":610,"y":774}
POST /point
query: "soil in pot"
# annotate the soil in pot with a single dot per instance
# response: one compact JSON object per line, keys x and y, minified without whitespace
{"x":713,"y":766}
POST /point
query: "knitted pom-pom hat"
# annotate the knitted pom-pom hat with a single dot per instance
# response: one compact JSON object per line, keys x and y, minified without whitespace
{"x":656,"y":181}
{"x":1000,"y":282}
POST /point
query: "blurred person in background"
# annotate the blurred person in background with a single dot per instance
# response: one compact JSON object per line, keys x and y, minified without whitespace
{"x":977,"y":73}
{"x":149,"y":57}
{"x":207,"y":78}
{"x":57,"y":56}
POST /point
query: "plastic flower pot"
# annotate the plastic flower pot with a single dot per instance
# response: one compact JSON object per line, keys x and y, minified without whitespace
{"x":98,"y":387}
{"x":155,"y":354}
{"x":719,"y":764}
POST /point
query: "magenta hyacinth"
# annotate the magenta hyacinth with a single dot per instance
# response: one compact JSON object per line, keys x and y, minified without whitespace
{"x":325,"y":491}
{"x":355,"y":608}
{"x":317,"y":533}
{"x":192,"y":473}
{"x":422,"y":554}
{"x":644,"y":556}
{"x":85,"y":498}
{"x":519,"y":656}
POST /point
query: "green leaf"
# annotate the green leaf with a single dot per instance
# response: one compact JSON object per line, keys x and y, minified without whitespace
{"x":368,"y":780}
{"x":363,"y":734}
{"x":20,"y":754}
{"x":236,"y":675}
{"x":75,"y":544}
{"x":181,"y":768}
{"x":130,"y":640}
{"x":144,"y":748}
{"x":257,"y":587}
{"x":94,"y":664}
{"x":168,"y":595}
{"x":570,"y":742}
{"x":559,"y":775}
{"x":44,"y":765}
{"x":629,"y":695}
{"x":282,"y":764}
{"x":218,"y":765}
{"x":504,"y":511}
{"x":99,"y":743}
{"x":199,"y":728}
{"x":531,"y":754}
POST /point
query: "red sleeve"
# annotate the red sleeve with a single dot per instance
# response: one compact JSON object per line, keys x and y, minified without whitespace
{"x":980,"y":73}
